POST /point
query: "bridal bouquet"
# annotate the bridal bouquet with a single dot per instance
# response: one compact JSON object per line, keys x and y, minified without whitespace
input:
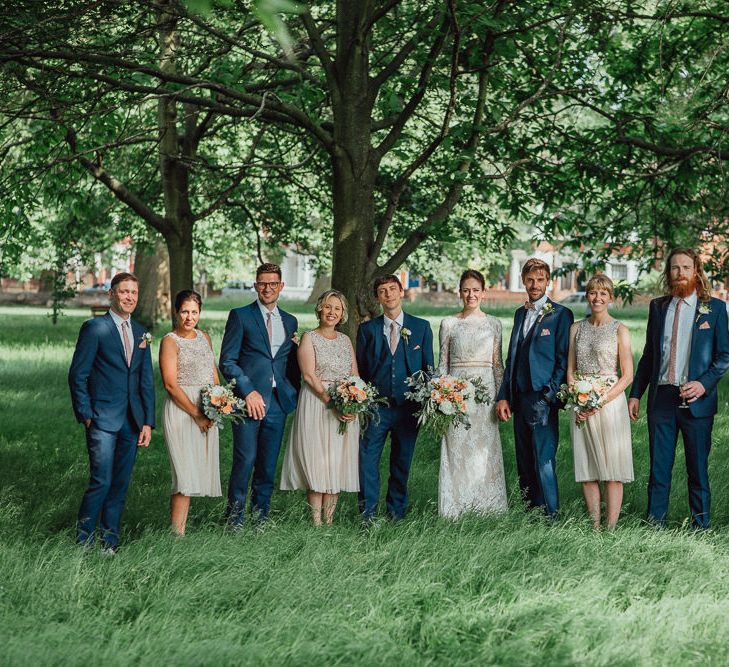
{"x":444,"y":400}
{"x":220,"y":403}
{"x":354,"y":396}
{"x":585,"y":393}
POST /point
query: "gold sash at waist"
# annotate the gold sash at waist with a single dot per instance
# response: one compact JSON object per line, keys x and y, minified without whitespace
{"x":471,"y":364}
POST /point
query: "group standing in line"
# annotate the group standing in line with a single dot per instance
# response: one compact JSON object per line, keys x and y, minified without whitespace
{"x":686,"y":353}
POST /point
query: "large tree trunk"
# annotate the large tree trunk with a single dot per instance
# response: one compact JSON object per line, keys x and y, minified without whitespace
{"x":180,"y":252}
{"x":354,"y":163}
{"x":151,"y":266}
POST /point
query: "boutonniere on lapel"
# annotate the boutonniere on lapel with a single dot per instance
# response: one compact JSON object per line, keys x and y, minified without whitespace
{"x":545,"y":310}
{"x":145,"y":339}
{"x":405,"y":334}
{"x":295,"y":338}
{"x":704,"y":309}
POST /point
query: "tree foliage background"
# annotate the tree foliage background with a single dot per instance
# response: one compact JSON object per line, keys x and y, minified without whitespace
{"x":371,"y":133}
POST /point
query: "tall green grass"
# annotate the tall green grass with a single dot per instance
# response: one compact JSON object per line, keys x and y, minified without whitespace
{"x":505,"y":590}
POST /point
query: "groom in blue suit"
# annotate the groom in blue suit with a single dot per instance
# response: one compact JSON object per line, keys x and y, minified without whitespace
{"x":390,"y":348}
{"x":112,"y":391}
{"x":259,"y":353}
{"x":535,"y":368}
{"x":686,"y":354}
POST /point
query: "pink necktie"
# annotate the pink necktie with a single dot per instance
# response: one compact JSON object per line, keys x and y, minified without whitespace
{"x":127,"y":342}
{"x":269,"y":328}
{"x":674,"y":344}
{"x":393,"y":338}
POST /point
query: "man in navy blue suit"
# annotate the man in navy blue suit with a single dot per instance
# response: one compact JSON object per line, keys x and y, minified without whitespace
{"x":390,"y":348}
{"x":259,"y":353}
{"x":535,"y":368}
{"x":686,"y":353}
{"x":112,"y":391}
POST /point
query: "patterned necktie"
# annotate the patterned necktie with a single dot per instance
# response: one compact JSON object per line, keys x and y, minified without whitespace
{"x":393,"y":337}
{"x":269,"y":328}
{"x":674,"y":344}
{"x":127,"y":342}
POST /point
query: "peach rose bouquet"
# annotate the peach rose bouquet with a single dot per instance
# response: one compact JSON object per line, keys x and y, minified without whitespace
{"x":220,"y":404}
{"x":445,"y":400}
{"x":354,"y":396}
{"x":586,"y":393}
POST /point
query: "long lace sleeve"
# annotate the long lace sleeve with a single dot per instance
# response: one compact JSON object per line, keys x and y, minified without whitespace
{"x":498,"y":362}
{"x":443,"y":337}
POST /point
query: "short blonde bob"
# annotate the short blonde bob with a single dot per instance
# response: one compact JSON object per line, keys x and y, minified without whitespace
{"x":332,"y":293}
{"x":600,"y":281}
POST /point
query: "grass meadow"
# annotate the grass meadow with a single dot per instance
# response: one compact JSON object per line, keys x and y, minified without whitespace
{"x":499,"y":590}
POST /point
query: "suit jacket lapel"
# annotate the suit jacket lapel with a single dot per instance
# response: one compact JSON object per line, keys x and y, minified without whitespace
{"x":661,"y":326}
{"x":114,"y":332}
{"x":378,"y":324}
{"x":518,"y":327}
{"x":258,"y":318}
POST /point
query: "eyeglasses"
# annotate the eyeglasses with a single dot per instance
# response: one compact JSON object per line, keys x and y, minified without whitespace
{"x":272,"y":285}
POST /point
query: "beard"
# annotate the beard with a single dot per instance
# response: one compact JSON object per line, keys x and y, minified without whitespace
{"x":682,"y":287}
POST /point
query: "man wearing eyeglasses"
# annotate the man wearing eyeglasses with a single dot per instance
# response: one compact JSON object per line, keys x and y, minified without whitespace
{"x":259,"y":353}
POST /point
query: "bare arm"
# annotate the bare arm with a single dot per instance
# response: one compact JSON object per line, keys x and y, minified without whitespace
{"x":216,"y":377}
{"x":572,"y":356}
{"x":307,"y":363}
{"x":625,"y":358}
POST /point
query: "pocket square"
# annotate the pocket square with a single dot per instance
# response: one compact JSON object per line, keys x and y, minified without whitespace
{"x":417,"y":347}
{"x":143,"y":344}
{"x":545,"y":332}
{"x":704,"y":325}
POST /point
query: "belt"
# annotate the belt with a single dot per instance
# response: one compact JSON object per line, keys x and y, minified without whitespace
{"x":471,"y":364}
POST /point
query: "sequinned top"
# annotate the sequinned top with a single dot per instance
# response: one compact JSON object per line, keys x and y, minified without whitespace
{"x":195,"y":361}
{"x":596,"y":348}
{"x":333,"y":357}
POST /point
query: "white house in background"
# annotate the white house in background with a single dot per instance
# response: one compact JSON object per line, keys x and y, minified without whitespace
{"x":297,"y":274}
{"x":618,"y":268}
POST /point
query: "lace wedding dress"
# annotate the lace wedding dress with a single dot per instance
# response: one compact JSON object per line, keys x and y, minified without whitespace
{"x":471,"y":464}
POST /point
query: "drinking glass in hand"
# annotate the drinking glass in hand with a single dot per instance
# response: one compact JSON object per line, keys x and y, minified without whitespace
{"x":684,"y":404}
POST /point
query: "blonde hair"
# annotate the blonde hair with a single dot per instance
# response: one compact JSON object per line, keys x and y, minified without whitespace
{"x":323,"y":299}
{"x":600,"y":281}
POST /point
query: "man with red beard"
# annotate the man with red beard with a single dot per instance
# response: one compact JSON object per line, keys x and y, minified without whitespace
{"x":686,"y":354}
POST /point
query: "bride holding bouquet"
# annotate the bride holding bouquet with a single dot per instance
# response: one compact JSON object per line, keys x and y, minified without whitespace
{"x":599,"y":369}
{"x":322,"y":456}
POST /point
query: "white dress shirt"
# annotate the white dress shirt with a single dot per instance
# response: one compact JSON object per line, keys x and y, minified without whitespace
{"x":277,"y":329}
{"x":683,"y":344}
{"x":388,"y":324}
{"x":118,"y":321}
{"x":532,"y":315}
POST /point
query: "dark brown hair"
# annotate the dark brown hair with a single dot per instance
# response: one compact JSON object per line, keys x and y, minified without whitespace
{"x":389,"y":278}
{"x":268,"y":268}
{"x":121,"y":277}
{"x":187,"y":295}
{"x":703,"y":287}
{"x":475,"y":275}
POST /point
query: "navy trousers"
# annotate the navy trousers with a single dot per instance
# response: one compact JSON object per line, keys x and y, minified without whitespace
{"x":665,"y":420}
{"x":256,"y":445}
{"x":536,"y":435}
{"x":399,"y":422}
{"x":111,"y":460}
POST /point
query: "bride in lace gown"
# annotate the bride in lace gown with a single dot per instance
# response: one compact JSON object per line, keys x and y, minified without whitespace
{"x":600,"y":348}
{"x":471,"y":464}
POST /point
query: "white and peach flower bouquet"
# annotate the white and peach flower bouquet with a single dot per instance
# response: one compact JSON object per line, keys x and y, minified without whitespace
{"x":354,"y":396}
{"x":586,"y":393}
{"x":220,"y":404}
{"x":445,"y":400}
